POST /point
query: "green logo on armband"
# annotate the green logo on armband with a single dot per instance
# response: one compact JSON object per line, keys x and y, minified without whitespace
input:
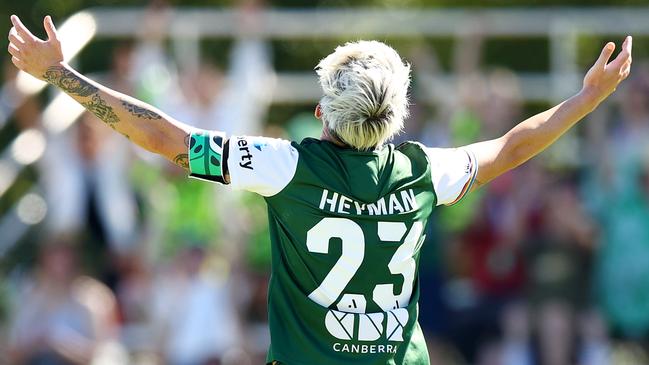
{"x":206,"y":156}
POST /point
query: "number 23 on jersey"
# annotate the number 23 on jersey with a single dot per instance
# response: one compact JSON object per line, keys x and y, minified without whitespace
{"x":353,"y":252}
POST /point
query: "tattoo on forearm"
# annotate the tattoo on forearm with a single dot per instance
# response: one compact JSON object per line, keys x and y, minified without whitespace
{"x":140,"y":112}
{"x":182,"y":160}
{"x":103,"y":111}
{"x":68,"y":81}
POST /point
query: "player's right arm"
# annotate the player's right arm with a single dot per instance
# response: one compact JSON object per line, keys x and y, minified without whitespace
{"x":139,"y":122}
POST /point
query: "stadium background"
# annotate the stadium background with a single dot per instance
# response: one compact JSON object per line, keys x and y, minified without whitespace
{"x":109,"y":255}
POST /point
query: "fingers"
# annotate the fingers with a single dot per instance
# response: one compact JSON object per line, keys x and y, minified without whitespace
{"x":13,"y":50}
{"x":50,"y":29}
{"x":14,"y":38}
{"x":628,"y":46}
{"x":622,"y":63}
{"x":624,"y":58}
{"x":607,"y":51}
{"x":624,"y":73}
{"x":628,"y":43}
{"x":17,"y":62}
{"x":626,"y":70}
{"x":23,"y":32}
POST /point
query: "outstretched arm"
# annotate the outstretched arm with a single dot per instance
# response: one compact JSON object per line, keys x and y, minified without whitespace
{"x":138,"y":121}
{"x":533,"y":135}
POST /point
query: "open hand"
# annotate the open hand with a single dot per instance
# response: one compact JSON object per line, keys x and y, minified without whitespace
{"x":604,"y":77}
{"x":31,"y":54}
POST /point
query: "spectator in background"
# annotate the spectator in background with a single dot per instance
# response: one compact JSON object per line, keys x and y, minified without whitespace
{"x":622,"y":270}
{"x":558,"y":260}
{"x":84,"y":172}
{"x":617,"y":196}
{"x":235,"y":102}
{"x":595,"y":346}
{"x":28,"y":111}
{"x":484,"y":256}
{"x":194,"y":317}
{"x":198,"y":92}
{"x":187,"y":299}
{"x":516,"y":347}
{"x":133,"y":294}
{"x":428,"y":122}
{"x":60,"y":317}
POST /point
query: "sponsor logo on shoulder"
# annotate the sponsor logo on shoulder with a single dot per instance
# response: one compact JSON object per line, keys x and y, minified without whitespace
{"x":246,"y":157}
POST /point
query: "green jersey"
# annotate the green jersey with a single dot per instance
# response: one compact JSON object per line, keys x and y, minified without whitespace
{"x":346,"y":228}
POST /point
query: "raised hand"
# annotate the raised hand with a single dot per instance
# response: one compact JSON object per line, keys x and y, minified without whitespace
{"x":31,"y":54}
{"x":604,"y":77}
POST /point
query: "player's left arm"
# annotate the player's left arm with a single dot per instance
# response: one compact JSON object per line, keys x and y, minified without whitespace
{"x":530,"y":137}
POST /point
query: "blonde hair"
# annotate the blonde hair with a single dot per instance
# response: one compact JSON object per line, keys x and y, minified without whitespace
{"x":365,"y":86}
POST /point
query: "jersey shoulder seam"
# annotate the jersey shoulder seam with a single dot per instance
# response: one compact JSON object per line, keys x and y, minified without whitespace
{"x":421,"y":148}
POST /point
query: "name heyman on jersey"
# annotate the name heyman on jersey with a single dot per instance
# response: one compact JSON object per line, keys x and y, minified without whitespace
{"x":399,"y":202}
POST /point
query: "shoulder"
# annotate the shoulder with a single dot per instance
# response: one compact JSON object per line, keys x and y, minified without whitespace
{"x":415,"y":151}
{"x":261,"y":164}
{"x":410,"y":147}
{"x":453,"y":172}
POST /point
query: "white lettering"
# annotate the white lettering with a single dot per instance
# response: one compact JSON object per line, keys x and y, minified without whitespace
{"x":359,"y":207}
{"x":325,"y":192}
{"x":409,"y":201}
{"x":394,"y":204}
{"x":332,"y":202}
{"x":377,"y":208}
{"x":397,"y":203}
{"x":364,"y":349}
{"x":342,"y":205}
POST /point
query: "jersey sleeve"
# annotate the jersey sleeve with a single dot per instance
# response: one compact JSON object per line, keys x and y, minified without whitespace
{"x":261,"y":165}
{"x":453,"y":171}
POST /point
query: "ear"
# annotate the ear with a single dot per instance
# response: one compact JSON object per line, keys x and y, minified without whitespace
{"x":318,"y":112}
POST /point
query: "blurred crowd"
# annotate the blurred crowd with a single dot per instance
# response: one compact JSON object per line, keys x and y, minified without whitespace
{"x":137,"y":264}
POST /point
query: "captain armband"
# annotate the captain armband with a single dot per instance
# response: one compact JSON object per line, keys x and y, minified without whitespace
{"x":208,"y":156}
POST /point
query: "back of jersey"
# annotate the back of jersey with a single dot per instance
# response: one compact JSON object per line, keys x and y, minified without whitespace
{"x":346,"y":233}
{"x":346,"y":229}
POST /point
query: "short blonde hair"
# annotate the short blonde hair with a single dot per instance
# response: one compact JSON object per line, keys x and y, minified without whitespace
{"x":365,"y":86}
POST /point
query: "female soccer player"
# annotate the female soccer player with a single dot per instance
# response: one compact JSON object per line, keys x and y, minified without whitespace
{"x":346,"y":211}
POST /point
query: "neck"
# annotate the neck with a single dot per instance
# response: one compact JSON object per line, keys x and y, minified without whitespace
{"x":326,"y":136}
